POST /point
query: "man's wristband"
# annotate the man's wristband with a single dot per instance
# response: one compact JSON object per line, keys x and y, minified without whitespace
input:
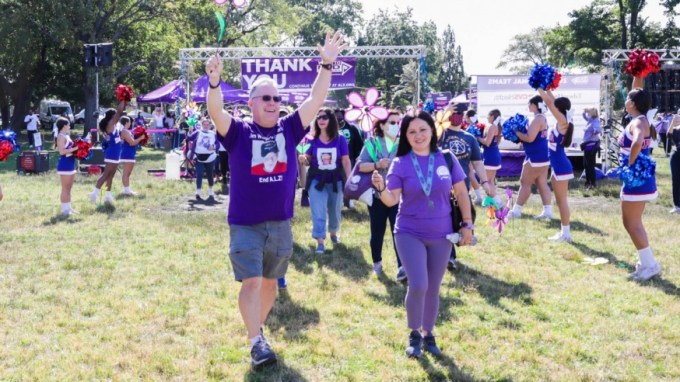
{"x":216,"y":86}
{"x":327,"y":66}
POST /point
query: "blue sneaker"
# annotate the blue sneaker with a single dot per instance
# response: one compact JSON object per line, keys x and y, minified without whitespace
{"x":282,"y":283}
{"x":261,"y":354}
{"x":335,"y":239}
{"x":415,"y":342}
{"x":430,"y":345}
{"x":320,"y":249}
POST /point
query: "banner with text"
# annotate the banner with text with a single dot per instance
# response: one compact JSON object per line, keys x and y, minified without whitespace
{"x":441,"y":100}
{"x":297,"y":73}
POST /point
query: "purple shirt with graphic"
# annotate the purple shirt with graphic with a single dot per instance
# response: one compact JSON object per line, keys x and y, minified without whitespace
{"x":328,"y":156}
{"x":263,"y":165}
{"x":415,"y":216}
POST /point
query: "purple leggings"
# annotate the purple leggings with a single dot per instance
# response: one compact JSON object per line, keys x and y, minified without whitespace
{"x":424,"y":261}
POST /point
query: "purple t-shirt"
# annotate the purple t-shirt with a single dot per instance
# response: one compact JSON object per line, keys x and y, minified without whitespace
{"x":263,"y":165}
{"x":328,"y":156}
{"x":415,"y":216}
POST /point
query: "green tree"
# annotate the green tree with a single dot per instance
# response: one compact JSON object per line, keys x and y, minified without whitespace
{"x":326,"y":15}
{"x":525,"y":50}
{"x":452,"y":77}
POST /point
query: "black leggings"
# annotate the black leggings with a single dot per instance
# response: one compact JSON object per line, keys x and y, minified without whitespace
{"x":589,"y":165}
{"x":379,"y":213}
{"x":675,"y":176}
{"x":223,"y":163}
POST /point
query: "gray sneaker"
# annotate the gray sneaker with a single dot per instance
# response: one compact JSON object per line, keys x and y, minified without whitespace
{"x":401,"y":274}
{"x":430,"y":345}
{"x":415,"y":343}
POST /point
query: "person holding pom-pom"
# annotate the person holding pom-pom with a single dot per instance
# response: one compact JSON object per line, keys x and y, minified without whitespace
{"x":66,"y":167}
{"x":560,"y":137}
{"x":635,"y":141}
{"x":537,"y":162}
{"x":490,"y":139}
{"x":108,"y":125}
{"x":128,"y":152}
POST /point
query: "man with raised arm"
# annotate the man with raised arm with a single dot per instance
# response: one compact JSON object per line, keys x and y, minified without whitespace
{"x":261,"y":203}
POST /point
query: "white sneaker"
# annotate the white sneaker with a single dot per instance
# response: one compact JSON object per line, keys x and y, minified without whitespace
{"x":478,"y":201}
{"x":558,"y":237}
{"x":646,"y":273}
{"x":675,"y":210}
{"x":129,"y":193}
{"x":543,"y":215}
{"x":514,"y":215}
{"x":93,"y":197}
{"x":377,"y":268}
{"x":351,"y":203}
{"x":108,"y":200}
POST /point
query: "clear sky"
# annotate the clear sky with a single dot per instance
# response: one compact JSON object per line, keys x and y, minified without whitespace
{"x":484,"y":28}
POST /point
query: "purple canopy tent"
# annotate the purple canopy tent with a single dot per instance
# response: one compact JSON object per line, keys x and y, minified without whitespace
{"x":168,"y":93}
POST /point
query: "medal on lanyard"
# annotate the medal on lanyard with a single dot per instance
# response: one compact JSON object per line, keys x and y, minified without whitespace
{"x":425,"y":184}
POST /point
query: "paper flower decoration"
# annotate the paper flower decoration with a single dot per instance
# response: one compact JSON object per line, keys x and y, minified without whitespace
{"x":642,"y":63}
{"x":442,"y":121}
{"x":304,"y":144}
{"x":83,"y":149}
{"x":140,"y":131}
{"x":544,"y":77}
{"x":637,"y":174}
{"x":365,"y":109}
{"x":124,"y":93}
{"x":512,"y":125}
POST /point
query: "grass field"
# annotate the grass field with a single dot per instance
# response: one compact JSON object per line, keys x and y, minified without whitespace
{"x":144,"y":291}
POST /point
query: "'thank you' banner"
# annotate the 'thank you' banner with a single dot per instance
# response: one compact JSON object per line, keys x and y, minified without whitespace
{"x":297,"y":73}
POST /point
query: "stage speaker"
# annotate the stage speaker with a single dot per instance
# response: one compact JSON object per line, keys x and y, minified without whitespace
{"x":665,"y":88}
{"x":98,"y":54}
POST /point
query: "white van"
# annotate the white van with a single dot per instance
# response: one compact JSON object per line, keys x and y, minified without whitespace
{"x":50,"y":110}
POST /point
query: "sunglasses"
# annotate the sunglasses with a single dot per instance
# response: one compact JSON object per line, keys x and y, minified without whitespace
{"x":267,"y":98}
{"x":323,"y":118}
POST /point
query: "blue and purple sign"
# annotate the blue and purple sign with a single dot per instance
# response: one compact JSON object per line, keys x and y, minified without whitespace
{"x":297,"y":73}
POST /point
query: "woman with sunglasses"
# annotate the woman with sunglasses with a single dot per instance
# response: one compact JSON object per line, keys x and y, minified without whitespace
{"x":377,"y":154}
{"x":420,"y":182}
{"x":326,"y":177}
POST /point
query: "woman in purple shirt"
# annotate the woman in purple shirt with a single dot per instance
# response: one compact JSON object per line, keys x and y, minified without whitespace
{"x":419,"y":181}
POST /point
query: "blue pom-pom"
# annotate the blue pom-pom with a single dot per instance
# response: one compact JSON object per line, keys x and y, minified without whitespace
{"x":636,"y":175}
{"x":474,"y":130}
{"x":512,"y":125}
{"x":428,"y":107}
{"x":11,"y":137}
{"x":542,"y":76}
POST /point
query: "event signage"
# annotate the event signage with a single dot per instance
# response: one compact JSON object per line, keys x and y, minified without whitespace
{"x":297,"y":73}
{"x":441,"y":100}
{"x":511,"y":94}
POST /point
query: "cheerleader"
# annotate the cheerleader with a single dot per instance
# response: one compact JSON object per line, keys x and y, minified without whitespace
{"x":560,"y":137}
{"x":66,"y":167}
{"x":128,"y":153}
{"x":535,"y":168}
{"x":109,"y":126}
{"x":635,"y":140}
{"x":492,"y":137}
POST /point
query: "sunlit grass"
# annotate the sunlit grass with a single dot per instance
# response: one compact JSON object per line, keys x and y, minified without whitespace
{"x":145,"y":291}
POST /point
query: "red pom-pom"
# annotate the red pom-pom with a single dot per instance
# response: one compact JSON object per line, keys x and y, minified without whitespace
{"x":642,"y":62}
{"x":124,"y":93}
{"x":140,"y":131}
{"x":481,"y":127}
{"x":6,"y":149}
{"x":556,"y":82}
{"x":94,"y":169}
{"x":83,"y":149}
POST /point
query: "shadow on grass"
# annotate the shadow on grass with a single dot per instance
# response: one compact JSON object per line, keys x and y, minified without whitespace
{"x":358,"y":215}
{"x":106,"y":208}
{"x":290,"y":317}
{"x":347,"y":261}
{"x":657,"y":282}
{"x":278,"y":372}
{"x":454,"y":373}
{"x":61,"y":219}
{"x":577,"y":226}
{"x":489,"y":287}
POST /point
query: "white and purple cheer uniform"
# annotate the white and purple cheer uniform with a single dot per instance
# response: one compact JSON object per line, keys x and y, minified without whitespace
{"x":112,"y":152}
{"x":646,"y":191}
{"x":67,"y":163}
{"x":128,"y":153}
{"x":537,"y":151}
{"x":560,"y":164}
{"x":492,"y":155}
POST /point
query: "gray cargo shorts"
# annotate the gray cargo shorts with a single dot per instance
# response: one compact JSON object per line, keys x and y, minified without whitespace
{"x":260,"y":250}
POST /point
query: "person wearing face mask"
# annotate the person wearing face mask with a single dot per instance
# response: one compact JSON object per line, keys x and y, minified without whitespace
{"x":377,"y":154}
{"x":355,"y":141}
{"x":470,"y":118}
